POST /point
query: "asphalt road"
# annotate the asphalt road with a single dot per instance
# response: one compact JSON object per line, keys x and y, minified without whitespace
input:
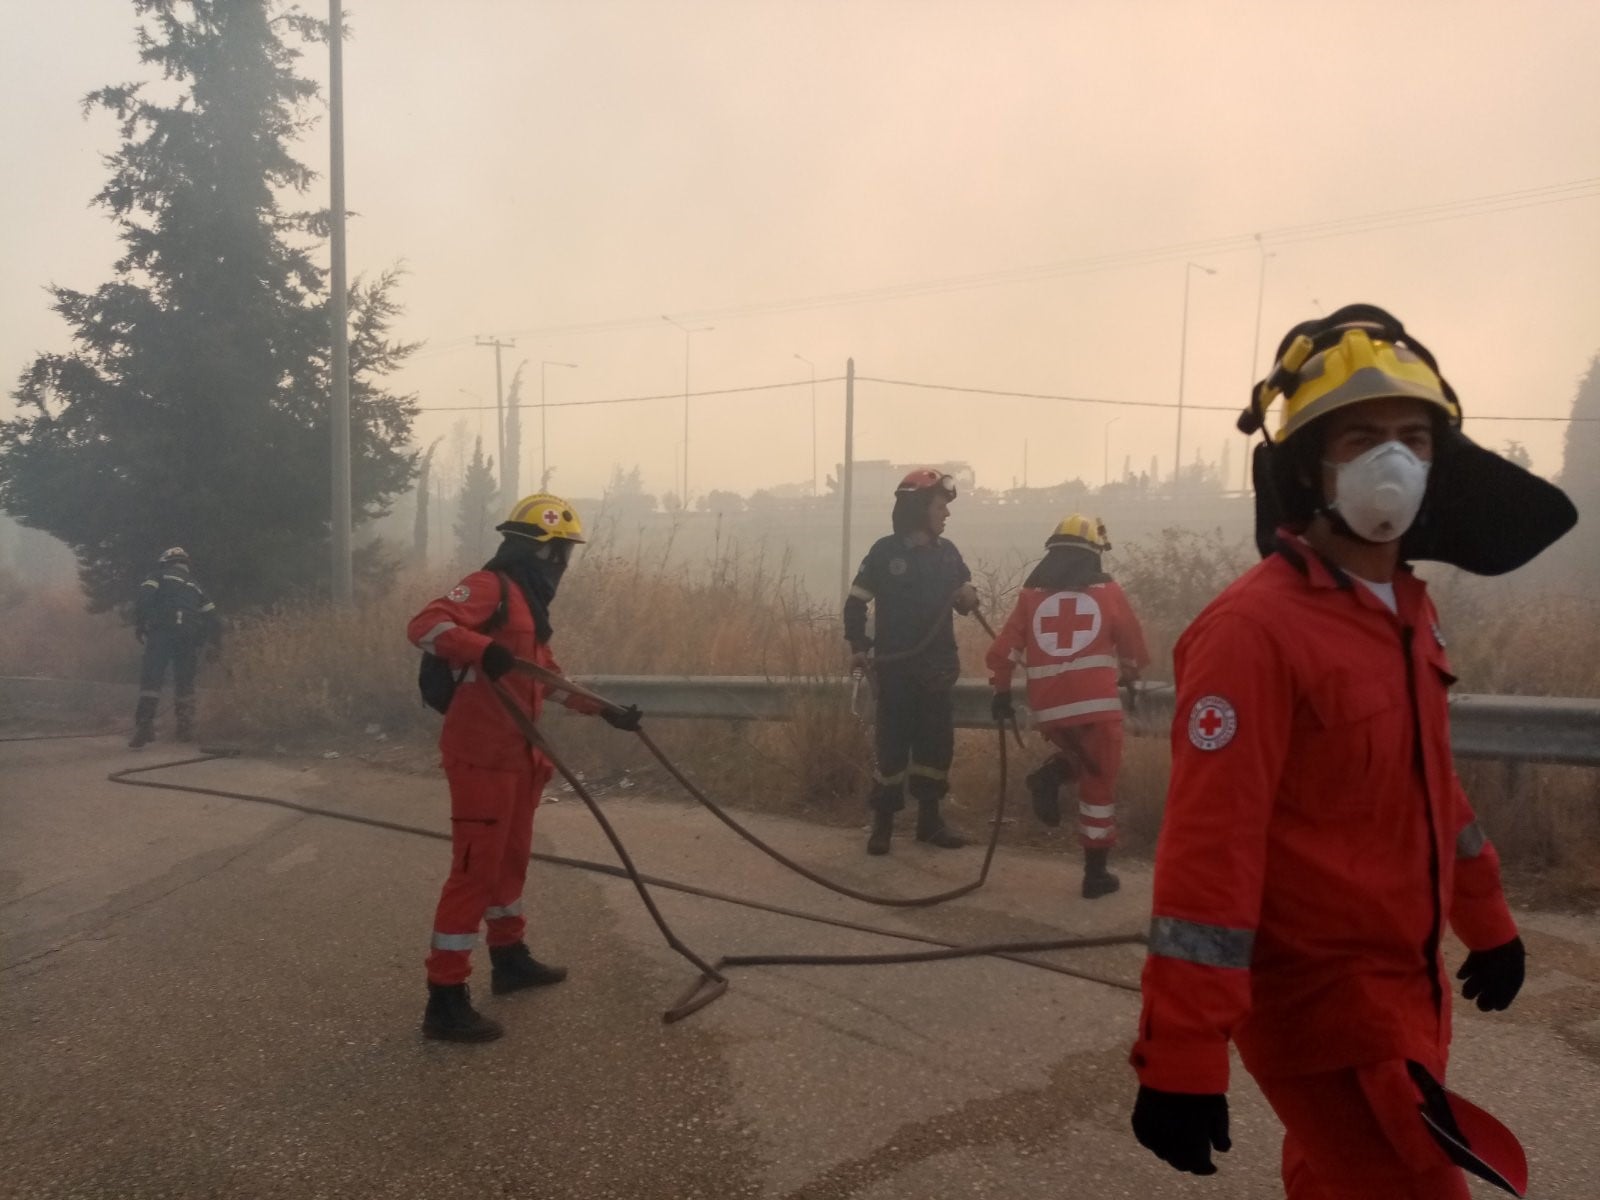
{"x":205,"y":997}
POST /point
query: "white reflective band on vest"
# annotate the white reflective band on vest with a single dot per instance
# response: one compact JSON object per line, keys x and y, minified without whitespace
{"x":454,"y":941}
{"x":1062,"y":711}
{"x":426,"y":640}
{"x":1208,"y":945}
{"x":1471,"y":841}
{"x":496,"y":912}
{"x":1092,"y":662}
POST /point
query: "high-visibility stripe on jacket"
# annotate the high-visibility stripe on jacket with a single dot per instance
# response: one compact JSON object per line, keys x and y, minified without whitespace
{"x":1315,"y":839}
{"x":1071,"y":646}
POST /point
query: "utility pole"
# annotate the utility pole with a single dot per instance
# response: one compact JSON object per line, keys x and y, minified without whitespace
{"x":1183,"y":355}
{"x":339,"y":408}
{"x":687,"y":331}
{"x":847,"y":483}
{"x":813,"y":367}
{"x":499,"y":405}
{"x":1255,"y":348}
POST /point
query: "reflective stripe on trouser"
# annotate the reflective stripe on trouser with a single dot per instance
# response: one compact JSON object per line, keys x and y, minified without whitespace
{"x":1355,"y":1134}
{"x":915,"y":738}
{"x":491,"y":833}
{"x":1080,"y":747}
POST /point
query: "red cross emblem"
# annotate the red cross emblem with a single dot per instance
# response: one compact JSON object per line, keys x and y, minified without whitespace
{"x":1066,"y":623}
{"x":1212,"y":723}
{"x":551,"y":516}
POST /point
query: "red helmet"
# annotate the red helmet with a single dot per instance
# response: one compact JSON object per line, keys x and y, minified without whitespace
{"x":925,"y":479}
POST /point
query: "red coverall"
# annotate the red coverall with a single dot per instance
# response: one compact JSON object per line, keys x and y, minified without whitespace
{"x":495,"y":776}
{"x":1072,"y":647}
{"x":1316,"y":840}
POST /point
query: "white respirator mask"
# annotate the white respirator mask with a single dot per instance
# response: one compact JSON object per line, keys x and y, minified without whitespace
{"x":1379,"y":493}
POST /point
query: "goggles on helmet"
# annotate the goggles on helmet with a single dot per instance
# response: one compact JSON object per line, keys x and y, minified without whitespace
{"x":927,"y":479}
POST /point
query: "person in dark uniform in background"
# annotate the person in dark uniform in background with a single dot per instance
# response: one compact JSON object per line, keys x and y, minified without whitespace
{"x":174,"y":618}
{"x":915,"y":579}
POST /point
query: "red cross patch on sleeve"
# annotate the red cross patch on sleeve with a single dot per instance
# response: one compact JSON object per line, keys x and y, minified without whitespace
{"x":1212,"y":723}
{"x":459,"y":594}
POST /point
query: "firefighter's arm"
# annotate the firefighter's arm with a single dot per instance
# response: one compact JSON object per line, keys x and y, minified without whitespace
{"x":448,"y":626}
{"x":1230,"y":734}
{"x":862,"y":592}
{"x":1128,"y":635}
{"x":144,"y":605}
{"x":1006,"y":649}
{"x":1478,"y":910}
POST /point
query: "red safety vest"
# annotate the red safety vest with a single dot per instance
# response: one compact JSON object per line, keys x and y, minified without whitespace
{"x":1071,"y":646}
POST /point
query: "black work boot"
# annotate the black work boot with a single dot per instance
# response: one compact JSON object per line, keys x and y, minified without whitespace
{"x":144,"y":723}
{"x":1044,"y":785}
{"x":450,"y":1016}
{"x":882,"y":831}
{"x":1097,"y":881}
{"x":183,"y":716}
{"x":932,"y":829}
{"x":515,"y":969}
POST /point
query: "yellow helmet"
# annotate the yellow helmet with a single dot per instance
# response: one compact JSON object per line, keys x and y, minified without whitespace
{"x":1079,"y":530}
{"x":543,"y":518}
{"x":1358,"y":353}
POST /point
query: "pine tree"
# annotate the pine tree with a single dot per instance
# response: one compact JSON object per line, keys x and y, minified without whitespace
{"x":1580,"y":477}
{"x":474,"y":513}
{"x":192,"y":408}
{"x":419,"y":524}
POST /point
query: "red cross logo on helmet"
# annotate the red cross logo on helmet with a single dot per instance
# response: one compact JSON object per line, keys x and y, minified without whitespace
{"x":551,"y":517}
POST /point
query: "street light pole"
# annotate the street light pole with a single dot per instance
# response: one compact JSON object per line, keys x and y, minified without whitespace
{"x":1255,"y":348}
{"x":1105,"y":464}
{"x":813,"y":367}
{"x":544,"y":442}
{"x":686,"y":332}
{"x":1183,"y":355}
{"x":339,"y":407}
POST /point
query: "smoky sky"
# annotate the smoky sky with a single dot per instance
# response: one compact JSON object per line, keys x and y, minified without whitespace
{"x":545,"y":166}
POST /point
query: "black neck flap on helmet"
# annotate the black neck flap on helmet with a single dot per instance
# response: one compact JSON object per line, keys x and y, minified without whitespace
{"x":1482,"y":513}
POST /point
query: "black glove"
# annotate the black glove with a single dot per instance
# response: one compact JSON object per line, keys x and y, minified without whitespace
{"x":1494,"y":977}
{"x":625,"y":719}
{"x":1001,"y":708}
{"x":1181,"y":1128}
{"x":496,"y":660}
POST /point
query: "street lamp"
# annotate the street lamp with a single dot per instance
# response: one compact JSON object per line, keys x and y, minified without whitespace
{"x":1255,"y":348}
{"x":686,"y":332}
{"x":1183,"y":354}
{"x":544,"y":442}
{"x":1105,"y":464}
{"x":813,"y":367}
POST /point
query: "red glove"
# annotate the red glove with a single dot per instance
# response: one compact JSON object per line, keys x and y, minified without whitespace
{"x":587,"y":705}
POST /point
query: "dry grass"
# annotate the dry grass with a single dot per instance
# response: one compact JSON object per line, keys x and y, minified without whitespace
{"x":308,"y":678}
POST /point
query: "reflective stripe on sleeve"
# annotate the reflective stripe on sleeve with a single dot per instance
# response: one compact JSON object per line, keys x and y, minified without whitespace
{"x":1471,"y":841}
{"x":150,"y":583}
{"x":1090,"y":663}
{"x":1208,"y":945}
{"x":454,"y":941}
{"x":426,"y":640}
{"x":857,"y":592}
{"x":1062,"y":711}
{"x":208,"y":607}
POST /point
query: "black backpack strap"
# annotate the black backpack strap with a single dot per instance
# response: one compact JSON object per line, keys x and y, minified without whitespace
{"x":501,"y":611}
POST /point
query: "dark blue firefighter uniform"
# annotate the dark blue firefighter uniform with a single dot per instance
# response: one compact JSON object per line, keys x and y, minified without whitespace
{"x":174,"y":618}
{"x":910,"y":586}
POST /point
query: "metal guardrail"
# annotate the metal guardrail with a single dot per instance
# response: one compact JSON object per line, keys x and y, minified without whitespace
{"x":1529,"y":729}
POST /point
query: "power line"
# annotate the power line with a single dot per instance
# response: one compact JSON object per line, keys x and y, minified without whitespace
{"x":938,"y":387}
{"x":1450,"y":210}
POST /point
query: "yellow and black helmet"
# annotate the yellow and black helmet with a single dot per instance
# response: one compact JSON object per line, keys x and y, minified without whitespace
{"x":1079,"y":530}
{"x":1358,"y":353}
{"x":543,"y":518}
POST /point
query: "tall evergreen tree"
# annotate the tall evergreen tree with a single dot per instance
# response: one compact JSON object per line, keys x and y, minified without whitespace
{"x":192,"y":408}
{"x":1580,"y":476}
{"x":419,"y":524}
{"x":474,"y":517}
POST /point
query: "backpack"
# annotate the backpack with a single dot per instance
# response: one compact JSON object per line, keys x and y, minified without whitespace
{"x":435,"y":680}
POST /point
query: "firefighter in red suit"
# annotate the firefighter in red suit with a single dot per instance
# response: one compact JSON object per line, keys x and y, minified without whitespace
{"x":478,"y":627}
{"x":1317,"y":844}
{"x":1076,"y":639}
